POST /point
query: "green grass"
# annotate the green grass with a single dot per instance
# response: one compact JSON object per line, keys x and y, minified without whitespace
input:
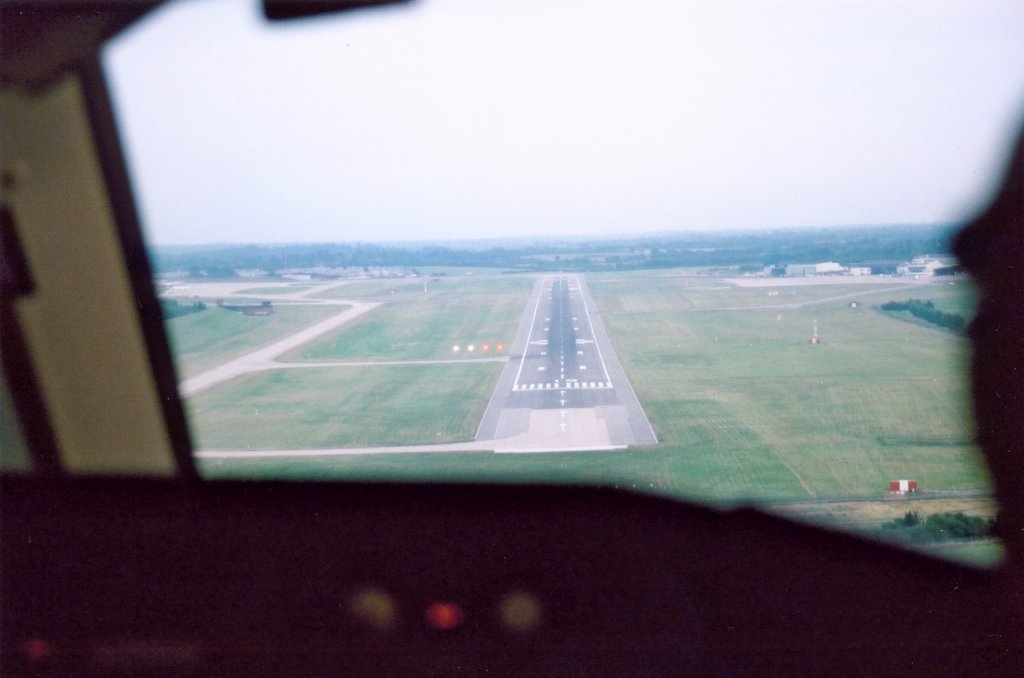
{"x":983,"y":553}
{"x":640,"y":469}
{"x":372,"y":290}
{"x":743,"y":406}
{"x":203,"y":340}
{"x":461,"y":270}
{"x":417,"y":325}
{"x":877,"y":400}
{"x":679,"y":293}
{"x":289,"y":289}
{"x":398,"y":289}
{"x":14,"y":454}
{"x":343,"y":407}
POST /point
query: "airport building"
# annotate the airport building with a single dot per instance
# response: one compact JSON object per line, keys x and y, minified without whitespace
{"x":926,"y":265}
{"x":824,"y":268}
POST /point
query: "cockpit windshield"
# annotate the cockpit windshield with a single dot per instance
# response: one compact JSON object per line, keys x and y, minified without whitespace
{"x":696,"y":249}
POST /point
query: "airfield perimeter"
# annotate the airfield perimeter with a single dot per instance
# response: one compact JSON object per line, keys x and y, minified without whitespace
{"x":544,"y":401}
{"x":562,"y":386}
{"x":743,"y":408}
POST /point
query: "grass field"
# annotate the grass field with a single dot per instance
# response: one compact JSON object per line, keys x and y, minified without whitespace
{"x":644,"y":471}
{"x":14,"y":455}
{"x":646,"y":295}
{"x":417,"y":325}
{"x":343,"y":407}
{"x":869,"y":517}
{"x":956,"y":296}
{"x":371,"y":290}
{"x":747,"y":405}
{"x":462,"y":270}
{"x":284,"y":289}
{"x":203,"y":340}
{"x":744,"y":407}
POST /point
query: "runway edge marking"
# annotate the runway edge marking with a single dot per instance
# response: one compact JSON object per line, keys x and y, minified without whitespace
{"x":533,"y":320}
{"x":632,"y":393}
{"x":593,"y":333}
{"x":488,"y":414}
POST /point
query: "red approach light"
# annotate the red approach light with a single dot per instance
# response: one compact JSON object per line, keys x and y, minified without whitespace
{"x":36,"y":650}
{"x":500,"y":347}
{"x":486,"y":347}
{"x":445,"y":616}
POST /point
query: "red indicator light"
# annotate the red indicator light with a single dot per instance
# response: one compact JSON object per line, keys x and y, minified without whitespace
{"x":445,"y":616}
{"x":486,"y":347}
{"x":36,"y":650}
{"x":500,"y":347}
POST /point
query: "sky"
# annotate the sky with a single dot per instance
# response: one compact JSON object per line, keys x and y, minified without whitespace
{"x":472,"y":119}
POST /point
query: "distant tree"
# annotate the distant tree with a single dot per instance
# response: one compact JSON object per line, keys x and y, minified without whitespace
{"x":909,"y":519}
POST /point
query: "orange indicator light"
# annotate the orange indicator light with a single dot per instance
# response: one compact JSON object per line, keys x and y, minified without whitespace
{"x":445,"y":616}
{"x":373,"y":608}
{"x":521,"y":612}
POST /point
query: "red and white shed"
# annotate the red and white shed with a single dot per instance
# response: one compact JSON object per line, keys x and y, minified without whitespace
{"x":902,"y":486}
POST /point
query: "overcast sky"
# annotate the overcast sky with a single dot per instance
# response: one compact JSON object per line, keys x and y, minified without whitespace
{"x":492,"y":118}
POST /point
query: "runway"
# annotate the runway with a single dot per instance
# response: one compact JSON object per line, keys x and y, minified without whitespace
{"x":563,"y":387}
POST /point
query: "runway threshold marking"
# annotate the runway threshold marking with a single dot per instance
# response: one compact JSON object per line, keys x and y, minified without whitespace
{"x":581,"y":385}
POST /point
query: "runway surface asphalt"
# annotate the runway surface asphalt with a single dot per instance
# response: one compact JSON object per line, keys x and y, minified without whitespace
{"x":563,"y":387}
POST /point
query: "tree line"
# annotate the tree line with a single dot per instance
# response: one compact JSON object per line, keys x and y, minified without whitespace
{"x":925,"y":310}
{"x":752,"y":249}
{"x":940,"y":526}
